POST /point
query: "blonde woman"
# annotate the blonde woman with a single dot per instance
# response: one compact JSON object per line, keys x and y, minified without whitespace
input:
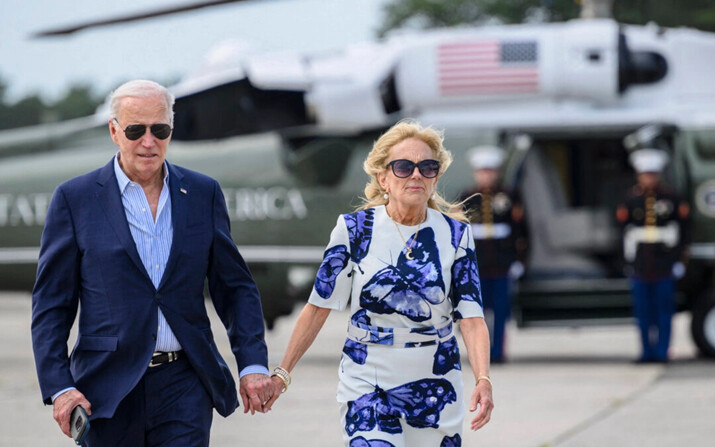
{"x":405,"y":265}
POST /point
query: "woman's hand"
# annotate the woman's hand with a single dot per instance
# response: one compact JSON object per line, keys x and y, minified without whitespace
{"x":481,"y":398}
{"x":277,"y":390}
{"x":476,"y":340}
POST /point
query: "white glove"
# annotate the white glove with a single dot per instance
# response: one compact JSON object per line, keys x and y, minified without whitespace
{"x":678,"y":270}
{"x":516,"y":270}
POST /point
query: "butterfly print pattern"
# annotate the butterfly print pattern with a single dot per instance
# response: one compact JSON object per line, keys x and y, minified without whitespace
{"x":465,"y":279}
{"x":446,"y":358}
{"x":441,"y":332}
{"x":451,"y":441}
{"x":409,"y":287}
{"x":353,"y":349}
{"x":362,"y":442}
{"x":335,"y":259}
{"x":419,"y":403}
{"x":457,"y":229}
{"x":359,"y":226}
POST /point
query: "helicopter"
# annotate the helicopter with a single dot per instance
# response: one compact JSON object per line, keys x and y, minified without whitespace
{"x":285,"y":135}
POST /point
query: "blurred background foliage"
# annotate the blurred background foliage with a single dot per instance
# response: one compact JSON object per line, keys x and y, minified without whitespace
{"x":79,"y":100}
{"x":422,"y":14}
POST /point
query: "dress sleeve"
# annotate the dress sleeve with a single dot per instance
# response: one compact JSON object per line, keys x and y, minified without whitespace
{"x":466,"y":289}
{"x":333,"y":282}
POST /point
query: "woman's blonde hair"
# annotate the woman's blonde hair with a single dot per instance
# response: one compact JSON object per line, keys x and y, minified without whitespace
{"x":377,"y":159}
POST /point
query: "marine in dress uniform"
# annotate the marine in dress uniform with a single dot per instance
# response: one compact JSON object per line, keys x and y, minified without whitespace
{"x":654,"y":221}
{"x":498,"y":226}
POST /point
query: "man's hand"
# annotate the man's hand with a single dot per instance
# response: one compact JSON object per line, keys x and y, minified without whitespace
{"x":256,"y":392}
{"x":63,"y":406}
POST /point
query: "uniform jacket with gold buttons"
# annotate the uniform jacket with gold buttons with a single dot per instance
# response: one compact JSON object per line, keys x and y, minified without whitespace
{"x":655,"y":231}
{"x":499,"y":229}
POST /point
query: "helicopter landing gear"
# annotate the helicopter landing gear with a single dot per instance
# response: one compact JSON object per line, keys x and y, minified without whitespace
{"x":703,"y":324}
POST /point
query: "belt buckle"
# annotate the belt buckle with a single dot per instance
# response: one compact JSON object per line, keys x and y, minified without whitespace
{"x":153,"y":356}
{"x":171,"y":356}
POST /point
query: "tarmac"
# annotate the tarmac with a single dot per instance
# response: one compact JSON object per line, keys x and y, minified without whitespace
{"x":566,"y":387}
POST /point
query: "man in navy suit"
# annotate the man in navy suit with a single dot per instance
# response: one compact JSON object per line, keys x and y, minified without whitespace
{"x":132,"y":244}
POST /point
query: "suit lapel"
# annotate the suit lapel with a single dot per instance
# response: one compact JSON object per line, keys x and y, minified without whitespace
{"x":178,"y":192}
{"x":110,"y":199}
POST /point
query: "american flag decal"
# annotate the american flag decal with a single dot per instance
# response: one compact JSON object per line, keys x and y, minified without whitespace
{"x":487,"y":68}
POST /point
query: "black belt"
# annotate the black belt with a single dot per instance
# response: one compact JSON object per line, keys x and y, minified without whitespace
{"x":160,"y":358}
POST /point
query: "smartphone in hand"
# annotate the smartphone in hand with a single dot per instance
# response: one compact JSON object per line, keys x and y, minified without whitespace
{"x":79,"y":425}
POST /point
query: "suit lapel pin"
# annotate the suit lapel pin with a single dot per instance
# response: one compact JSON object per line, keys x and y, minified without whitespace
{"x":183,"y":191}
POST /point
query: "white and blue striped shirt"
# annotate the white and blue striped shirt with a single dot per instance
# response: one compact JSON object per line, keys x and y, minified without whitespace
{"x":152,"y":238}
{"x":153,"y":241}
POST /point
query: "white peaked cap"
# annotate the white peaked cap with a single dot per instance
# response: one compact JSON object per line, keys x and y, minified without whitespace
{"x":648,"y":160}
{"x":486,"y":157}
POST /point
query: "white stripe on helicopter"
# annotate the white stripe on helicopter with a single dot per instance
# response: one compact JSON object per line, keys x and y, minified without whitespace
{"x":251,"y":253}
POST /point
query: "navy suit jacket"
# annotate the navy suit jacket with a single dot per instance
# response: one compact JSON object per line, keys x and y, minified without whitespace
{"x":88,"y":258}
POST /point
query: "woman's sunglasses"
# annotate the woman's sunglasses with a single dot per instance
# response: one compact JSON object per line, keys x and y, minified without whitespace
{"x":135,"y":131}
{"x":404,"y":168}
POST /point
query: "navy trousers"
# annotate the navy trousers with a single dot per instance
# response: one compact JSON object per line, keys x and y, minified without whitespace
{"x":653,"y":306}
{"x":168,"y":407}
{"x":495,"y":293}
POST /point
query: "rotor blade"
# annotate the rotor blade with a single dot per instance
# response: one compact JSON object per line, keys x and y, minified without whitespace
{"x":131,"y":18}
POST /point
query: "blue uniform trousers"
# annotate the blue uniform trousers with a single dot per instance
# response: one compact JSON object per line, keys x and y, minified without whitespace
{"x":653,"y":307}
{"x":168,"y":407}
{"x":497,"y":299}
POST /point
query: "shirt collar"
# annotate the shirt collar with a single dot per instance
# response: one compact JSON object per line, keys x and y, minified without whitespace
{"x":122,"y":179}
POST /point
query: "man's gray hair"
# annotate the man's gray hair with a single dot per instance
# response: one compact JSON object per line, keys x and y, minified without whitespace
{"x":141,"y":89}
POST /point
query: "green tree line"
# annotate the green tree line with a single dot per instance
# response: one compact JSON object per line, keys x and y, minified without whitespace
{"x":32,"y":109}
{"x":440,"y":13}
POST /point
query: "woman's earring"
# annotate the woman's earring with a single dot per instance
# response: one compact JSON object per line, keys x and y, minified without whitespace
{"x":434,"y":195}
{"x":385,"y":196}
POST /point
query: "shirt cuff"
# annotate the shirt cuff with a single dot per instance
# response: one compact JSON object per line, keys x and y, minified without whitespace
{"x":57,"y":394}
{"x":253,"y":369}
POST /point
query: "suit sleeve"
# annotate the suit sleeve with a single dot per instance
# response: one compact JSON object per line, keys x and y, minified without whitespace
{"x":55,"y":298}
{"x":234,"y":293}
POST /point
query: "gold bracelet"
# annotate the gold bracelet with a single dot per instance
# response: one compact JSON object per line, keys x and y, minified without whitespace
{"x":283,"y":372}
{"x":484,"y":378}
{"x":284,"y":376}
{"x":285,"y":384}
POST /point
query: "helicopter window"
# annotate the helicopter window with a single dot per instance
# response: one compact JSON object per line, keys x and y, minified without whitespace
{"x":704,"y":143}
{"x":571,"y":189}
{"x":388,"y":94}
{"x":236,"y":108}
{"x":319,"y":161}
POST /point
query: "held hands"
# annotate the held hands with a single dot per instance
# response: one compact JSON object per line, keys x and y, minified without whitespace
{"x":63,"y":406}
{"x":281,"y":380}
{"x":481,"y":398}
{"x":278,"y":387}
{"x":257,"y":393}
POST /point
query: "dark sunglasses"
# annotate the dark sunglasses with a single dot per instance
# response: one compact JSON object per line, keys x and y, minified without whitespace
{"x":135,"y":131}
{"x":404,"y":168}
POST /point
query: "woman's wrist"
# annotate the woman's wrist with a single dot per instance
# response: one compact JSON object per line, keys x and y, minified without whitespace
{"x":484,"y":377}
{"x":283,"y":375}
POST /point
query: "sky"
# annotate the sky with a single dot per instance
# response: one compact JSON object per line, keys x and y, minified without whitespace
{"x":165,"y":48}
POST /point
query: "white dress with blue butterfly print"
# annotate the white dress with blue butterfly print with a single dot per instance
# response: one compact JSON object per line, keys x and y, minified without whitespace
{"x":400,"y":375}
